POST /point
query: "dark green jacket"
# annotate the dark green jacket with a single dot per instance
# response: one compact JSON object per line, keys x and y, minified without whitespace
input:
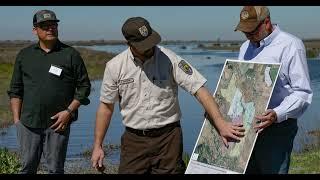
{"x":44,"y":94}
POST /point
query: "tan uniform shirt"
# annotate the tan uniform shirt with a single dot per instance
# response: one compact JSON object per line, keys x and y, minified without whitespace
{"x":148,"y":92}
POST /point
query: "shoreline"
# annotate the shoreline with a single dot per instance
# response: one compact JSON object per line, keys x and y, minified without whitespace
{"x":312,"y":45}
{"x":304,"y":162}
{"x":79,"y":165}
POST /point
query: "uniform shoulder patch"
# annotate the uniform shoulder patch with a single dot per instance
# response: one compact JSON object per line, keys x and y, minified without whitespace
{"x":185,"y":67}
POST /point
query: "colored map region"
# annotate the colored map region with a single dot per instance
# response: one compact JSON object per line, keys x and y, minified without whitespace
{"x":244,"y":90}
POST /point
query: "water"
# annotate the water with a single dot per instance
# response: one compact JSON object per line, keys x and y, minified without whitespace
{"x":208,"y":63}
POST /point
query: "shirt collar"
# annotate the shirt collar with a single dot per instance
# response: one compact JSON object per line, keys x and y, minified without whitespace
{"x":272,"y":36}
{"x":267,"y":40}
{"x":130,"y":55}
{"x":132,"y":58}
{"x":56,"y":47}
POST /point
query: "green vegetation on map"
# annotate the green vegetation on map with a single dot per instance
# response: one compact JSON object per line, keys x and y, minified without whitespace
{"x":273,"y":73}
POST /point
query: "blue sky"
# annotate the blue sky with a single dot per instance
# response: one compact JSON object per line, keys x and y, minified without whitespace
{"x":172,"y":22}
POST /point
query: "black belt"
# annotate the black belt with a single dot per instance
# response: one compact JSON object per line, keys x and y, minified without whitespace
{"x":155,"y":132}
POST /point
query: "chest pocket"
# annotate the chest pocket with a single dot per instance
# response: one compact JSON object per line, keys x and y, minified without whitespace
{"x":129,"y":94}
{"x":162,"y":90}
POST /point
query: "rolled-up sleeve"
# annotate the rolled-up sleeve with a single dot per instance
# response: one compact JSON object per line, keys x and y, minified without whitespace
{"x":83,"y":85}
{"x":16,"y":84}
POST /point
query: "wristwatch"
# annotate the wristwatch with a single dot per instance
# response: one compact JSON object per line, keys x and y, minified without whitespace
{"x":70,"y":111}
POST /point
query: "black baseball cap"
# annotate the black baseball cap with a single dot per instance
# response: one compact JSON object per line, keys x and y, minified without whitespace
{"x":44,"y":15}
{"x":139,"y":33}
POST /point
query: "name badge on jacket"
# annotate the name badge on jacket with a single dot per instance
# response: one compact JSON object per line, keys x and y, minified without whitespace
{"x":55,"y":70}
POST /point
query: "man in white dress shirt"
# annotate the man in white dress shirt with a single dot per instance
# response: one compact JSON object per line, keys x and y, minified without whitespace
{"x":292,"y":93}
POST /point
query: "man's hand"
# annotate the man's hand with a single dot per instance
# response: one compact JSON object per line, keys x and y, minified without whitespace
{"x":97,"y":159}
{"x":230,"y":132}
{"x":265,"y":120}
{"x":16,"y":104}
{"x":63,"y":118}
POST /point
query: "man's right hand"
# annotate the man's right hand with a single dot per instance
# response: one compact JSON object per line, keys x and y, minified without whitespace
{"x":231,"y":131}
{"x":97,"y":159}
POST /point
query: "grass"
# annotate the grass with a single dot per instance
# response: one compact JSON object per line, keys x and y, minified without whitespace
{"x":95,"y":61}
{"x":312,"y":47}
{"x":9,"y":163}
{"x":5,"y":76}
{"x":307,"y":162}
{"x":313,"y":53}
{"x":185,"y":158}
{"x":217,"y":46}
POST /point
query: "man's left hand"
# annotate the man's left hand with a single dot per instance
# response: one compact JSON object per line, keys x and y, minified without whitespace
{"x":63,"y":118}
{"x":265,"y":120}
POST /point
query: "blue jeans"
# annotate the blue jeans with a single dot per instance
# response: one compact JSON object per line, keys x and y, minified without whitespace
{"x":34,"y":142}
{"x":272,"y":151}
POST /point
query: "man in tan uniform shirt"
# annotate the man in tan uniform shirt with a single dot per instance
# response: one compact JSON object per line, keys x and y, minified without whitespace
{"x":145,"y":79}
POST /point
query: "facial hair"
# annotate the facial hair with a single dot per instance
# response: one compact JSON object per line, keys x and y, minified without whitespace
{"x":148,"y":54}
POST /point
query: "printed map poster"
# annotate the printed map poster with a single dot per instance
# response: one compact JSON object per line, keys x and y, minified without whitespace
{"x":243,"y":91}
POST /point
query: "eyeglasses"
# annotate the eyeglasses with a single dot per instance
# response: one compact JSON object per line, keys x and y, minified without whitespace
{"x":46,"y":26}
{"x":255,"y":30}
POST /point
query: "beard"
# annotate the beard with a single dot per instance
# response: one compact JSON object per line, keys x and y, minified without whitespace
{"x":148,"y":54}
{"x":258,"y":37}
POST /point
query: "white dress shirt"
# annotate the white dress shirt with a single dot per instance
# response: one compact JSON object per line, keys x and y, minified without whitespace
{"x":292,"y":92}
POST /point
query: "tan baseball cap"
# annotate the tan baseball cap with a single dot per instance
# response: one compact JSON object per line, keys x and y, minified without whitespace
{"x":251,"y":16}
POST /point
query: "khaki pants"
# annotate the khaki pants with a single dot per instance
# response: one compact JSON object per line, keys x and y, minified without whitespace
{"x":152,"y":155}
